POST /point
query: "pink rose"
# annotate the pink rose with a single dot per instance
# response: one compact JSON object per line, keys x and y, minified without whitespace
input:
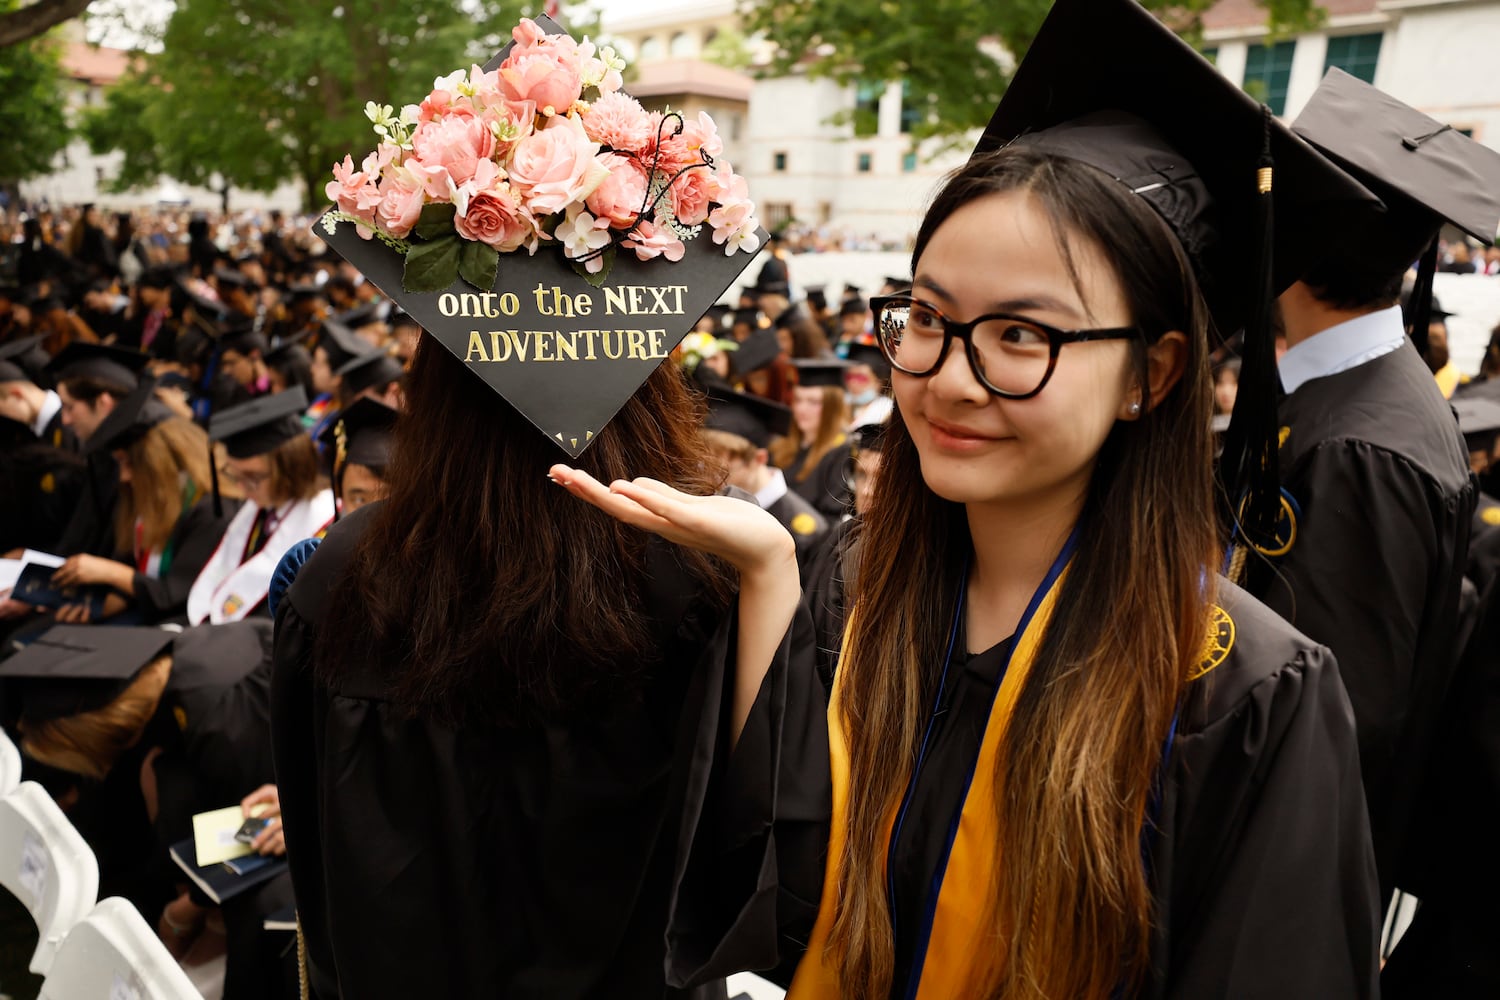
{"x":650,"y":241}
{"x":622,"y":193}
{"x":619,"y":122}
{"x":540,"y":76}
{"x":527,"y":32}
{"x":354,"y":191}
{"x":556,"y":166}
{"x":456,"y":143}
{"x":690,"y":196}
{"x":443,"y":104}
{"x":494,"y":216}
{"x":401,"y":201}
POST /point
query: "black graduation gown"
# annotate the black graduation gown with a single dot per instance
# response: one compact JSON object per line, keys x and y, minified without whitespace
{"x":1374,"y":463}
{"x":485,"y":861}
{"x":1259,"y":859}
{"x":825,"y":585}
{"x":39,"y":488}
{"x":1484,"y":542}
{"x":59,"y":435}
{"x":804,"y":523}
{"x":91,"y":528}
{"x":193,"y":540}
{"x":827,"y":487}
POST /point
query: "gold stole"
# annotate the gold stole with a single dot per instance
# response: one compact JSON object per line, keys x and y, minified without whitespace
{"x":960,"y":925}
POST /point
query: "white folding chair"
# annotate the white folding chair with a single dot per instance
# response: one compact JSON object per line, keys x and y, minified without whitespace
{"x":112,"y":953}
{"x":747,"y":984}
{"x":46,"y":864}
{"x":10,"y":765}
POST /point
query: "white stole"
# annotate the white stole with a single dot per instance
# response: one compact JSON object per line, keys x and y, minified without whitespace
{"x":226,"y":589}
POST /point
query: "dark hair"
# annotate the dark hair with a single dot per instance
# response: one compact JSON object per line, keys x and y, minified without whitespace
{"x":1342,"y":283}
{"x":485,"y":589}
{"x":87,"y":388}
{"x":294,"y":470}
{"x":294,"y":365}
{"x":1071,"y":902}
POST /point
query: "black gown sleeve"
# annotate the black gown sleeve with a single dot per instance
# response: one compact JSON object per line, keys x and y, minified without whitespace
{"x":1266,"y":875}
{"x":194,"y":539}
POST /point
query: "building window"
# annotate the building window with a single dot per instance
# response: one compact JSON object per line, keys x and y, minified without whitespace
{"x":735,"y":124}
{"x":1268,"y":70}
{"x":681,"y":46}
{"x":1354,"y":54}
{"x":909,"y":163}
{"x":867,"y":108}
{"x":650,"y":48}
{"x":1212,"y":55}
{"x":778,"y":214}
{"x":778,"y":162}
{"x":863,"y":163}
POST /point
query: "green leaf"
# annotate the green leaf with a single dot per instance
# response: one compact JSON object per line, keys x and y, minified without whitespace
{"x":436,"y":220}
{"x":597,"y":280}
{"x":431,"y":267}
{"x":478,"y":264}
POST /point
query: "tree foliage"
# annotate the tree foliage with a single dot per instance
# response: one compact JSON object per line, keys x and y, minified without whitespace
{"x":262,"y":92}
{"x":23,"y":22}
{"x":34,"y":124}
{"x":956,"y":54}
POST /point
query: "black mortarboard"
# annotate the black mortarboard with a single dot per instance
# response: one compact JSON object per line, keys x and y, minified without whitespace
{"x":816,"y":296}
{"x":288,"y":348}
{"x":360,"y":315}
{"x":99,"y":361}
{"x":1435,"y":312}
{"x":342,"y":344}
{"x":71,"y":669}
{"x":896,"y":282}
{"x":132,"y":416}
{"x":754,"y":418}
{"x":812,"y":372}
{"x":23,"y":360}
{"x":717,"y":314}
{"x":853,"y":307}
{"x":239,"y":334}
{"x":229,"y":276}
{"x":193,"y":290}
{"x":368,"y":371}
{"x":361,"y":435}
{"x":305,"y":290}
{"x":1478,"y":421}
{"x":868,"y":354}
{"x":852,"y":291}
{"x":639,"y":313}
{"x":755,"y":352}
{"x":773,"y":286}
{"x":749,"y":315}
{"x":261,"y":425}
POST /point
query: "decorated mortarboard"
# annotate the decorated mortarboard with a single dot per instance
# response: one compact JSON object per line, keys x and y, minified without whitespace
{"x":369,"y":371}
{"x":1107,"y":84}
{"x":23,"y":360}
{"x":361,"y":435}
{"x":261,"y":425}
{"x":133,"y":416}
{"x":582,"y":255}
{"x":756,"y":352}
{"x":754,"y":418}
{"x":341,"y":344}
{"x":815,"y":372}
{"x":71,"y":669}
{"x":116,"y":365}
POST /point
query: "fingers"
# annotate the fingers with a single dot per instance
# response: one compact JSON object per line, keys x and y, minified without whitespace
{"x":271,"y":840}
{"x":614,"y":503}
{"x":73,"y":614}
{"x":265,"y":797}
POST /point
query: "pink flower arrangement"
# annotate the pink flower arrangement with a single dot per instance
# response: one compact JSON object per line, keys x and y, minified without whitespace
{"x":544,"y":149}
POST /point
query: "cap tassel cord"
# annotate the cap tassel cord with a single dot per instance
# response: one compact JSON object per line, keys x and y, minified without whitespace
{"x":213,"y":476}
{"x":1249,"y":476}
{"x":1420,"y":306}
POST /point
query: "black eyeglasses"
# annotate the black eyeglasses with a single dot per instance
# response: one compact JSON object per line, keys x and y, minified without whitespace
{"x":1011,"y":356}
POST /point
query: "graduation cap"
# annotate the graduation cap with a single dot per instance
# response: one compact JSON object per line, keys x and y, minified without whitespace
{"x":71,"y":669}
{"x":565,"y":371}
{"x":304,"y":291}
{"x":229,"y":276}
{"x":115,"y":365}
{"x":749,"y":315}
{"x":755,"y":352}
{"x":817,"y":296}
{"x":342,"y":344}
{"x":718,"y":315}
{"x":261,"y":425}
{"x":368,"y":371}
{"x":361,"y":435}
{"x":754,"y":418}
{"x":815,"y":372}
{"x":23,"y":360}
{"x":1478,"y":421}
{"x":1426,"y":172}
{"x":132,"y":417}
{"x":868,"y":354}
{"x":855,"y":306}
{"x":240,"y":334}
{"x":1107,"y":84}
{"x":897,"y":283}
{"x":360,"y":315}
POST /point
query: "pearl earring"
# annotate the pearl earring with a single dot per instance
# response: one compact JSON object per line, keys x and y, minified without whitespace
{"x":1135,"y":409}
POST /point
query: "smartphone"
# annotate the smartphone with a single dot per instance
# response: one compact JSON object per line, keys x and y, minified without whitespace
{"x":251,"y":828}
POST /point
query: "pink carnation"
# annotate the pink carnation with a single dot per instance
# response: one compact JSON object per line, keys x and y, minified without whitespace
{"x":691,"y":196}
{"x":619,"y":122}
{"x":456,"y":144}
{"x":401,"y":200}
{"x":622,"y":193}
{"x":545,"y":71}
{"x":649,"y":241}
{"x":556,"y":166}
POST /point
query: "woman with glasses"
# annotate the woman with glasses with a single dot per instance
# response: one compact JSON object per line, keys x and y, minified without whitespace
{"x":271,"y":459}
{"x":1062,"y":756}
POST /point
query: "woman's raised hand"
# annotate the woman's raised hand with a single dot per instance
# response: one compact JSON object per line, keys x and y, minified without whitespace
{"x":740,"y":533}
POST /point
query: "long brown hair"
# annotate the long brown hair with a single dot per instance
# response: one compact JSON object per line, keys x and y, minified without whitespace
{"x":89,"y":743}
{"x":830,"y":435}
{"x":168,"y":464}
{"x":1071,"y":905}
{"x":487,"y":589}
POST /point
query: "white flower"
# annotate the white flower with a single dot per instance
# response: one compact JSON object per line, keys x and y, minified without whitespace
{"x":581,"y":234}
{"x":744,"y":239}
{"x":452,"y":81}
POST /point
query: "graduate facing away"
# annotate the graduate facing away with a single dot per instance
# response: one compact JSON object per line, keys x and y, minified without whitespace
{"x":1062,"y":757}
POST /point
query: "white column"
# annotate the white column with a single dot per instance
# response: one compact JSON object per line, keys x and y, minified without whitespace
{"x":1307,"y":72}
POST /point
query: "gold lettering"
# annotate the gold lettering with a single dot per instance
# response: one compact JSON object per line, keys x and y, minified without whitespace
{"x":499,"y":345}
{"x":659,"y":295}
{"x":489,"y":306}
{"x":613,"y":353}
{"x":584,"y":303}
{"x":591,"y":335}
{"x":637,"y":340}
{"x":567,"y":350}
{"x":471,"y":304}
{"x":475,"y":344}
{"x":521,"y":344}
{"x":448,"y":304}
{"x":637,"y":297}
{"x":540,"y":291}
{"x":562,"y":303}
{"x":656,"y":343}
{"x":509,"y":304}
{"x":541,"y":345}
{"x":678,"y":289}
{"x":614,"y":298}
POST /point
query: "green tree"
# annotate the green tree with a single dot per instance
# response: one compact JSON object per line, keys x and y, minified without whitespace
{"x":34,"y":125}
{"x":259,"y":92}
{"x":950,"y":52}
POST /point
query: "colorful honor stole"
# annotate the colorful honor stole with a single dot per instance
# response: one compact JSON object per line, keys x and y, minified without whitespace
{"x":957,"y":930}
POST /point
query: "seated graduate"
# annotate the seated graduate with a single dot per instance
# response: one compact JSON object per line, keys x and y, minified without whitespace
{"x":867,"y":381}
{"x":288,"y":365}
{"x":373,"y":375}
{"x":334,"y":346}
{"x":814,"y":454}
{"x":739,"y":429}
{"x":272,"y":460}
{"x":166,"y":526}
{"x":360,"y":442}
{"x":1063,"y":757}
{"x":154,"y":727}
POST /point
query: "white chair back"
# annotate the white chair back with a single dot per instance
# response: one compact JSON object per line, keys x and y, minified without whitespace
{"x":112,"y":953}
{"x":45,"y":863}
{"x":10,"y":765}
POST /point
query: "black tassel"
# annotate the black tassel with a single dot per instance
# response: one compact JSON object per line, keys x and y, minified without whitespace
{"x":213,"y":476}
{"x":1419,"y":306}
{"x":1250,"y":500}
